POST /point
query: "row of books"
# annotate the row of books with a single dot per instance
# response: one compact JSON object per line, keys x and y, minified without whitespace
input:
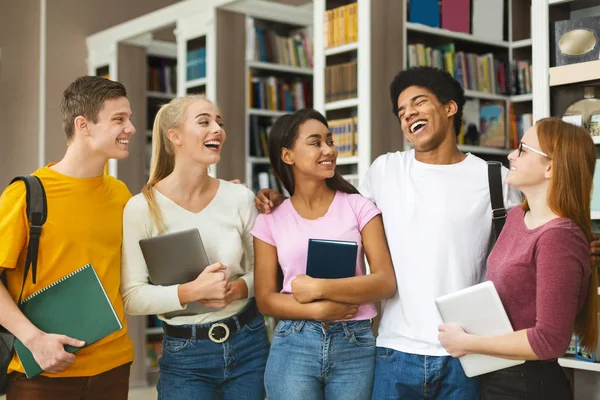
{"x":196,"y":64}
{"x":280,"y":94}
{"x":481,"y":18}
{"x":520,"y":77}
{"x":294,"y":49}
{"x":341,"y":81}
{"x":345,"y":136}
{"x":518,"y":126}
{"x":259,"y":134}
{"x":482,"y":73}
{"x":340,"y":25}
{"x":162,"y":75}
{"x":484,"y":124}
{"x":264,"y":178}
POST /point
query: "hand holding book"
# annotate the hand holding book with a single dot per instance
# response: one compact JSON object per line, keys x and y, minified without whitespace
{"x":49,"y":350}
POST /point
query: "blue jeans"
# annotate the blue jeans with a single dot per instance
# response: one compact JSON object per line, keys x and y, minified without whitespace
{"x":201,"y":369}
{"x":406,"y":376}
{"x":317,"y":360}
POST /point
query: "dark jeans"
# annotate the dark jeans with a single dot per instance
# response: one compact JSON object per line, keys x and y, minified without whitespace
{"x":534,"y":380}
{"x":110,"y":385}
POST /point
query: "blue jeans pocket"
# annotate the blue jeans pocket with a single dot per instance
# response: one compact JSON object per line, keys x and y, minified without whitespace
{"x":174,"y":345}
{"x":256,"y":324}
{"x":284,"y":327}
{"x":384,"y":353}
{"x":363,"y":337}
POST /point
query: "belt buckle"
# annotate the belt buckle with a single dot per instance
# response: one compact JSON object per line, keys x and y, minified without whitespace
{"x":218,"y":333}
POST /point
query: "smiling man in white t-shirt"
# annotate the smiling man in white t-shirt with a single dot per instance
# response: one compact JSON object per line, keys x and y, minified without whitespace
{"x":437,"y":214}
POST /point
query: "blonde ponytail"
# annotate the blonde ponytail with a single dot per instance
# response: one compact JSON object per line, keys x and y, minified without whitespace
{"x":169,"y":116}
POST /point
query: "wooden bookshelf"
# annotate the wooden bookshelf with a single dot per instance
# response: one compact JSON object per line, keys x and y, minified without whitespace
{"x":368,"y":44}
{"x":274,"y":76}
{"x":512,"y":96}
{"x":575,"y":73}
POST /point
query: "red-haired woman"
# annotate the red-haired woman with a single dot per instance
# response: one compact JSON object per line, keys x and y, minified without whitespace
{"x":541,"y":266}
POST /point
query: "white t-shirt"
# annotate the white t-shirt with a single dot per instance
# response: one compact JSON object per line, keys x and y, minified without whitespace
{"x":224,"y":225}
{"x":438,"y":222}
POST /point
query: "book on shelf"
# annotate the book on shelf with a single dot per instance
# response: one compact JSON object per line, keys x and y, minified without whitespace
{"x":488,"y":19}
{"x":279,"y":94}
{"x":267,"y":45}
{"x":345,"y":136}
{"x":456,"y":15}
{"x":268,"y":180}
{"x":196,"y":64}
{"x":341,"y":81}
{"x":426,"y":12}
{"x":162,"y":75}
{"x":259,"y":134}
{"x":518,"y":126}
{"x":484,"y":125}
{"x":340,"y":25}
{"x":475,"y":72}
{"x":520,"y":82}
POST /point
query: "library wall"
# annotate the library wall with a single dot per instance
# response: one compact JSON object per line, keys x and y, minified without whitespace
{"x":69,"y":22}
{"x":19,"y":88}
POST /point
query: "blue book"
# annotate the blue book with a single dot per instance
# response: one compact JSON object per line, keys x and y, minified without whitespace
{"x":331,"y":259}
{"x":426,"y":12}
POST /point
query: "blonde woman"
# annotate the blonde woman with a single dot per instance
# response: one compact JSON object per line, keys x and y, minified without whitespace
{"x":187,"y":137}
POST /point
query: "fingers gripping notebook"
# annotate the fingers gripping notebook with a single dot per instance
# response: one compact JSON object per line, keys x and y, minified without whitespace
{"x":76,"y":306}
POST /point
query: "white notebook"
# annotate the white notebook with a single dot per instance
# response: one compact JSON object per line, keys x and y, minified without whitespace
{"x":479,"y":311}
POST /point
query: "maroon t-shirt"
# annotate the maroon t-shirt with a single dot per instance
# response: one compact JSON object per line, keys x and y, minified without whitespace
{"x":542,"y":277}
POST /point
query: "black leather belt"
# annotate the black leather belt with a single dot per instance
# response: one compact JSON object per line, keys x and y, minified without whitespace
{"x":219,"y":331}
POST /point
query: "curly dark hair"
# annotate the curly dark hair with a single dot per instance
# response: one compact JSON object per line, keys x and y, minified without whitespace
{"x":437,"y":81}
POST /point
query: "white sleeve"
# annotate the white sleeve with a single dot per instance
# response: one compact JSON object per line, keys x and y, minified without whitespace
{"x":369,"y":186}
{"x":249,"y":214}
{"x":139,"y":296}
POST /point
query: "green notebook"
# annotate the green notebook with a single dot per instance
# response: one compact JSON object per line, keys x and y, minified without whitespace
{"x":76,"y":306}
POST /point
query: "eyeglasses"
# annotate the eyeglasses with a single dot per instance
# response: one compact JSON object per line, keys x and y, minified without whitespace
{"x":521,"y":145}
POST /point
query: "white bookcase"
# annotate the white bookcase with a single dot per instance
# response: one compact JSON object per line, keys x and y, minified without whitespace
{"x":516,"y":45}
{"x":551,"y":86}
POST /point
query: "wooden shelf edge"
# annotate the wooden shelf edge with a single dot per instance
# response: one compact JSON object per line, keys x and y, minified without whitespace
{"x":415,"y":27}
{"x":575,"y":73}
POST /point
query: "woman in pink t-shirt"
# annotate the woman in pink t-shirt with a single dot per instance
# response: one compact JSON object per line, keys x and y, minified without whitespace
{"x":323,"y":345}
{"x":540,"y":266}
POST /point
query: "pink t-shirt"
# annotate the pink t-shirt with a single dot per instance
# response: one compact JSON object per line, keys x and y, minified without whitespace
{"x":285,"y":229}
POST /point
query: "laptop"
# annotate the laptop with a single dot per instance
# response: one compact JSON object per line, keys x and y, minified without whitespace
{"x":176,"y":258}
{"x":331,"y":259}
{"x":479,"y":311}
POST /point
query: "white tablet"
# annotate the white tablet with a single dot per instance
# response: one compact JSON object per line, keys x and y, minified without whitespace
{"x":479,"y":311}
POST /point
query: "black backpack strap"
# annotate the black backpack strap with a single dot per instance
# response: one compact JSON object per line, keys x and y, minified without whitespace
{"x":496,"y":197}
{"x":37,"y":212}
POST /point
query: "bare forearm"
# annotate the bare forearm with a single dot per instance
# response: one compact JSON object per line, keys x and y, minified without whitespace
{"x":513,"y":346}
{"x":13,"y":319}
{"x":358,"y":290}
{"x":283,"y":306}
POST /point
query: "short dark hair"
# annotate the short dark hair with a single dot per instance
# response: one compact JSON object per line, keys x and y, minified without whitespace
{"x":437,"y":81}
{"x":283,"y":134}
{"x":85,"y":97}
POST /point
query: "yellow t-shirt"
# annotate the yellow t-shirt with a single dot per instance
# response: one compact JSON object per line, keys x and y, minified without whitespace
{"x":84,"y":226}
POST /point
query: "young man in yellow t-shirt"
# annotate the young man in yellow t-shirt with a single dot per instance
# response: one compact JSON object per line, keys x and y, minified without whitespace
{"x":84,"y":225}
